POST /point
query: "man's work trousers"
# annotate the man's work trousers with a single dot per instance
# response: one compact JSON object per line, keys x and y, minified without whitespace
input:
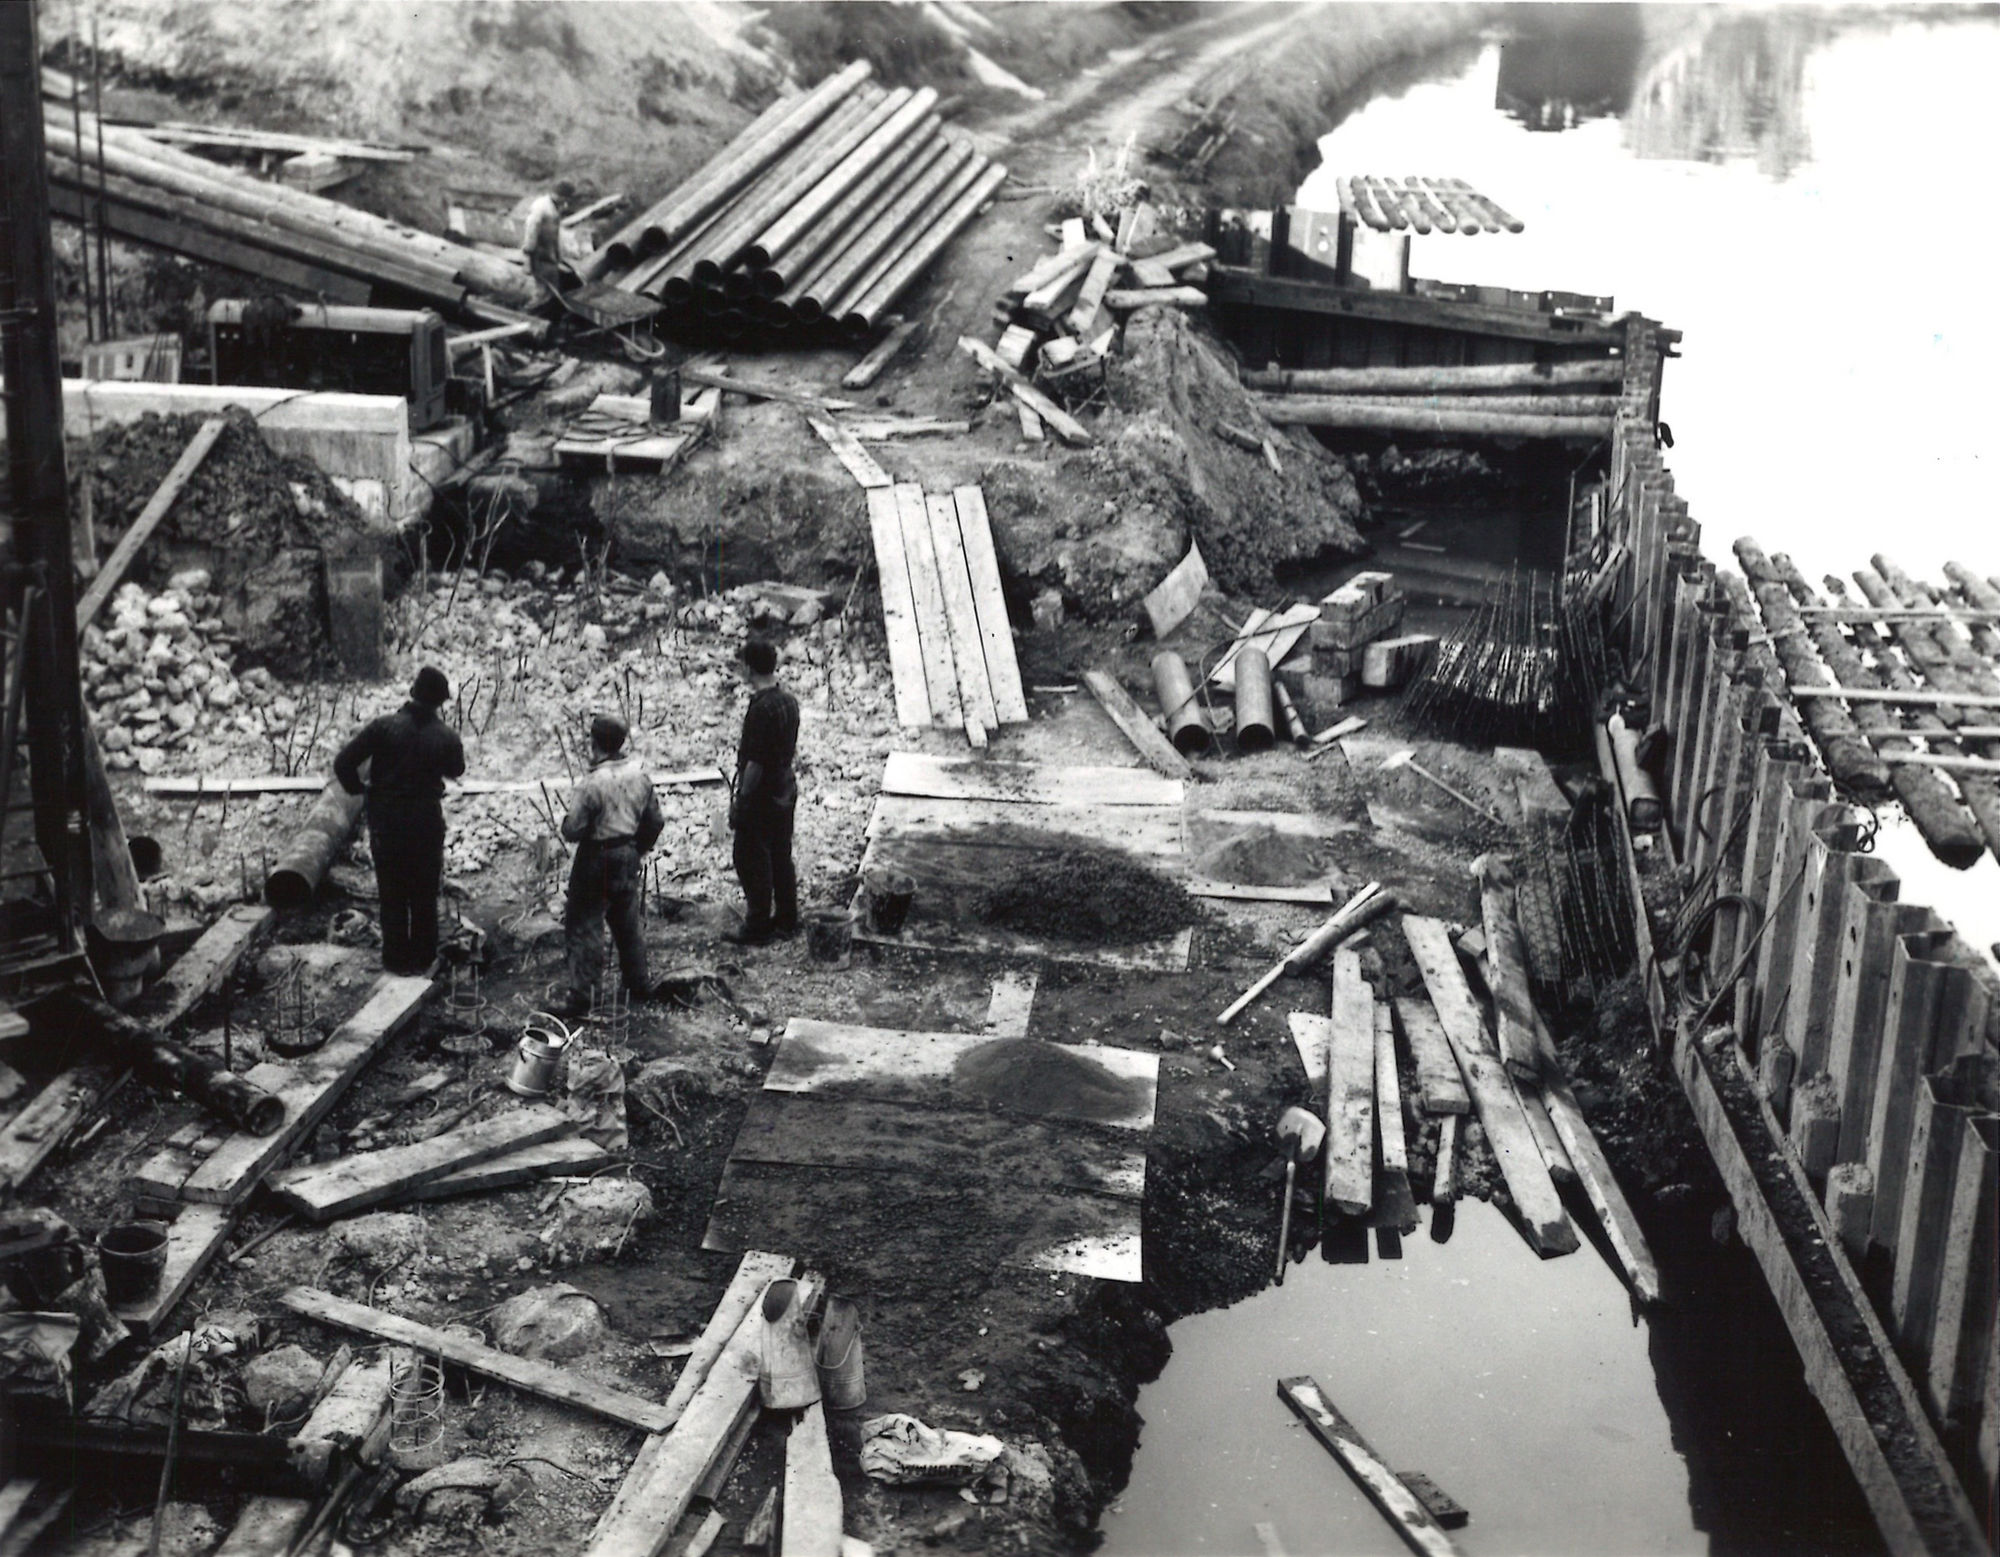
{"x":604,"y":886}
{"x":406,"y":837}
{"x":764,"y":865}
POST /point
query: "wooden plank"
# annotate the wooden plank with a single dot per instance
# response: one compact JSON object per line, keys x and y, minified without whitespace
{"x":967,"y":778}
{"x":1536,"y":1111}
{"x":202,"y":787}
{"x":931,"y":1140}
{"x":661,"y":1484}
{"x":1242,"y":892}
{"x":1444,"y":1177}
{"x":870,"y":367}
{"x":315,"y":1084}
{"x":811,"y":1526}
{"x":1403,"y":1509}
{"x":112,"y":574}
{"x":1439,"y":1084}
{"x":14,"y":1497}
{"x":1103,"y":270}
{"x":1506,"y":971}
{"x":1031,"y":424}
{"x":899,"y":612}
{"x":968,"y":648}
{"x":1148,"y":831}
{"x":1312,"y":1036}
{"x":1013,"y":1002}
{"x":522,"y":1373}
{"x":200,"y":970}
{"x":1276,"y":633}
{"x":266,"y":1527}
{"x":815,"y":1056}
{"x":861,"y":465}
{"x":1389,"y":1094}
{"x":1350,"y":1090}
{"x":1499,"y":1107}
{"x":321,"y":1191}
{"x":996,"y":634}
{"x":927,"y":594}
{"x":1067,"y":427}
{"x":41,"y":1124}
{"x":194,"y":1238}
{"x":1914,"y":699}
{"x":545,"y":1160}
{"x":758,"y":389}
{"x":754,"y":1272}
{"x":1154,"y":749}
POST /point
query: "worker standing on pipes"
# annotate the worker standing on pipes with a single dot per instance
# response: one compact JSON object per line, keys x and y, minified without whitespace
{"x":614,"y":819}
{"x":409,"y":755}
{"x":541,"y":234}
{"x":762,"y":802}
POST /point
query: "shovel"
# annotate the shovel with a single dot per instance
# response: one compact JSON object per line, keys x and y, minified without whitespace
{"x":1408,"y":759}
{"x":1300,"y":1134}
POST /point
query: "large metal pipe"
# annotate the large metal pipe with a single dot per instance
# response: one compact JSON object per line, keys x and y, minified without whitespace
{"x":802,"y":171}
{"x":1253,"y":700}
{"x":868,"y":193}
{"x":678,"y":282}
{"x":802,"y":296}
{"x":72,"y":1016}
{"x":772,"y":244}
{"x":759,"y":144}
{"x":1187,"y":725}
{"x":1642,"y":796}
{"x":861,"y":318}
{"x":297,"y":873}
{"x":878,"y":235}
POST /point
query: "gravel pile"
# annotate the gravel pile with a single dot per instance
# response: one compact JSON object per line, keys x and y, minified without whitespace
{"x":1092,"y":896}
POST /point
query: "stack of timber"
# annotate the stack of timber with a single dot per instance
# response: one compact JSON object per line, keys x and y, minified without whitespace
{"x":1421,"y":205}
{"x":153,"y":193}
{"x":1500,"y":400}
{"x":813,"y":221}
{"x":951,"y":647}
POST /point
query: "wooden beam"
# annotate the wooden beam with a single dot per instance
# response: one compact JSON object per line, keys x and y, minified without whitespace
{"x":860,"y":464}
{"x":523,"y":1373}
{"x":1403,"y":1509}
{"x":1898,"y":699}
{"x":112,"y":574}
{"x":1350,"y":1090}
{"x":321,"y":1191}
{"x":967,"y":778}
{"x":1394,"y":1203}
{"x":812,"y":1521}
{"x":1154,"y":749}
{"x":1439,"y":1084}
{"x":996,"y":633}
{"x":1506,"y":970}
{"x":573,"y":1155}
{"x":1067,"y":427}
{"x":1426,"y":416}
{"x":754,"y":1272}
{"x":1444,"y":1176}
{"x":757,"y":389}
{"x":1098,"y":282}
{"x":870,"y":367}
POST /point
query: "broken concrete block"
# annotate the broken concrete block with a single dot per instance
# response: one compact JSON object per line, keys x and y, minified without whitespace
{"x":553,"y":1324}
{"x":282,"y":1383}
{"x":596,"y":1218}
{"x":1391,"y":662}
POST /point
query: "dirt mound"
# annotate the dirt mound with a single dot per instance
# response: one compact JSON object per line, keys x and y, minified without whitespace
{"x":1031,"y":1077}
{"x":1084,"y":895}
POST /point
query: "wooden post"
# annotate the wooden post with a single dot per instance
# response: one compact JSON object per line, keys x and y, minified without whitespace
{"x":1871,"y":919}
{"x":1970,"y":1251}
{"x":1392,"y":1197}
{"x":1945,"y":1103}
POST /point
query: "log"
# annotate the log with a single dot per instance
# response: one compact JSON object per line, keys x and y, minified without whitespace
{"x":1848,"y":755}
{"x":523,"y":1373}
{"x":1123,"y":300}
{"x":1350,"y":1091}
{"x":1433,"y":381}
{"x":112,"y":574}
{"x":322,"y":837}
{"x":1366,"y":905}
{"x":1365,"y":416}
{"x":1403,"y":1509}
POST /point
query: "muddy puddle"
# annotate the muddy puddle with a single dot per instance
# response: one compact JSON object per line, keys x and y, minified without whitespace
{"x":1526,"y":1389}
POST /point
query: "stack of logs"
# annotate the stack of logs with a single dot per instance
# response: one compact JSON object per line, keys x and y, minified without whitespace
{"x":818,"y":216}
{"x":1574,"y":400}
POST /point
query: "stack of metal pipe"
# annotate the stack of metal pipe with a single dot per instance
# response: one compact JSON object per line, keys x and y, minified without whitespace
{"x":817,"y":217}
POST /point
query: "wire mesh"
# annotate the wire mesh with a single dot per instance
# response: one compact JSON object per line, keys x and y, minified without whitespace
{"x":416,"y":1423}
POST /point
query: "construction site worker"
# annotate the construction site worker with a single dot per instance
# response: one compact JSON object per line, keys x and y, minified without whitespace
{"x":763,"y":800}
{"x":541,"y":234}
{"x":614,"y":819}
{"x":409,"y":754}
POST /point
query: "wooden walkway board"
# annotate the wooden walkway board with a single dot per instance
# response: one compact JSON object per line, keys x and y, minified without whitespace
{"x":1400,"y":1506}
{"x":1350,"y":1090}
{"x":562,"y":1156}
{"x":1439,"y":1084}
{"x":321,"y":1191}
{"x":812,"y":1492}
{"x":1312,"y":1036}
{"x":861,"y":465}
{"x":927,"y":591}
{"x":1507,"y":1130}
{"x":522,"y":1373}
{"x":815,"y":1055}
{"x":968,"y":649}
{"x":899,"y":612}
{"x":965,"y":778}
{"x":1003,"y":670}
{"x":1170,"y":954}
{"x":1149,"y":831}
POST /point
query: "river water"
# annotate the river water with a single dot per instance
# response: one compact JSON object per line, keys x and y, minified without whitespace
{"x":1803,"y":194}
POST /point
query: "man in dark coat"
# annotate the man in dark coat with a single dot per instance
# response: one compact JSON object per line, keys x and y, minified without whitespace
{"x":409,"y":754}
{"x":762,"y":803}
{"x":614,"y":820}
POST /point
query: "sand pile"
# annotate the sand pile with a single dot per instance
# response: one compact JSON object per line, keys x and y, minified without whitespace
{"x":1086,"y":895}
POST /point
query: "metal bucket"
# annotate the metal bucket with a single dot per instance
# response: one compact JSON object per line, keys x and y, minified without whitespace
{"x":830,"y":937}
{"x":666,"y":395}
{"x":132,"y":1254}
{"x":538,"y":1057}
{"x":1254,"y":730}
{"x":838,"y":1353}
{"x":890,"y":894}
{"x":1187,"y":726}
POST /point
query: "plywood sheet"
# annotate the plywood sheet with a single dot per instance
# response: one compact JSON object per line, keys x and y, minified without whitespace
{"x":974,"y":778}
{"x":1150,"y":831}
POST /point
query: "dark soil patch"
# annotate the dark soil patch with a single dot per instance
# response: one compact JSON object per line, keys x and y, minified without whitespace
{"x":1264,"y":857}
{"x":1037,"y":1078}
{"x":1089,"y":896}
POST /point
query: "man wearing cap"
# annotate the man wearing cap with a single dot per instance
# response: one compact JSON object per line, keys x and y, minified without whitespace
{"x":762,"y":803}
{"x":541,"y":235}
{"x":409,"y":754}
{"x":614,"y":818}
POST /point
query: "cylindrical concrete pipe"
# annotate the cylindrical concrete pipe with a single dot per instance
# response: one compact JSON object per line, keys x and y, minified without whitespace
{"x":1642,"y":798}
{"x":1295,"y":727}
{"x":1254,"y":730}
{"x":321,"y":836}
{"x":1187,"y":726}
